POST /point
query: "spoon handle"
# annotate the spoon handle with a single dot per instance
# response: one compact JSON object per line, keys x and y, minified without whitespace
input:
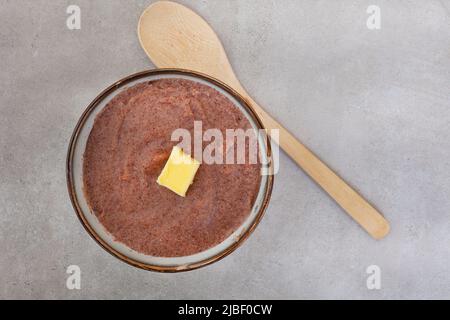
{"x":353,"y":203}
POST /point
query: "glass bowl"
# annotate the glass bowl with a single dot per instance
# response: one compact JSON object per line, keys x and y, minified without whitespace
{"x":103,"y":237}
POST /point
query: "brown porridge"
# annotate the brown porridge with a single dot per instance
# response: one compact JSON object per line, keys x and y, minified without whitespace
{"x":129,"y":145}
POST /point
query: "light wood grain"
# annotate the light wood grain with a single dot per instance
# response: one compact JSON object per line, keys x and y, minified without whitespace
{"x":173,"y":36}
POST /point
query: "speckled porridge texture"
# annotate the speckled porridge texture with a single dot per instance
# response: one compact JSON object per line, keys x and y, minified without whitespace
{"x":128,"y":146}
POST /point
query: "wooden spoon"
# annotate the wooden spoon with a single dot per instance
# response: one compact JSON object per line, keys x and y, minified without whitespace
{"x":174,"y":36}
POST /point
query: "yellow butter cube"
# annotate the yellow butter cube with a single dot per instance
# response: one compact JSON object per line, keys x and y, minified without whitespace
{"x":179,"y":172}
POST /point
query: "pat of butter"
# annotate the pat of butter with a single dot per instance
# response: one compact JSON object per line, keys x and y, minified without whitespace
{"x":179,"y":172}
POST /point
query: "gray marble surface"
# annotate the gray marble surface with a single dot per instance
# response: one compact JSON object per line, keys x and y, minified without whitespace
{"x":373,"y":104}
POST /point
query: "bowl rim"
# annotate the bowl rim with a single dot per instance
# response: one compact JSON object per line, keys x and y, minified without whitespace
{"x":79,"y":212}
